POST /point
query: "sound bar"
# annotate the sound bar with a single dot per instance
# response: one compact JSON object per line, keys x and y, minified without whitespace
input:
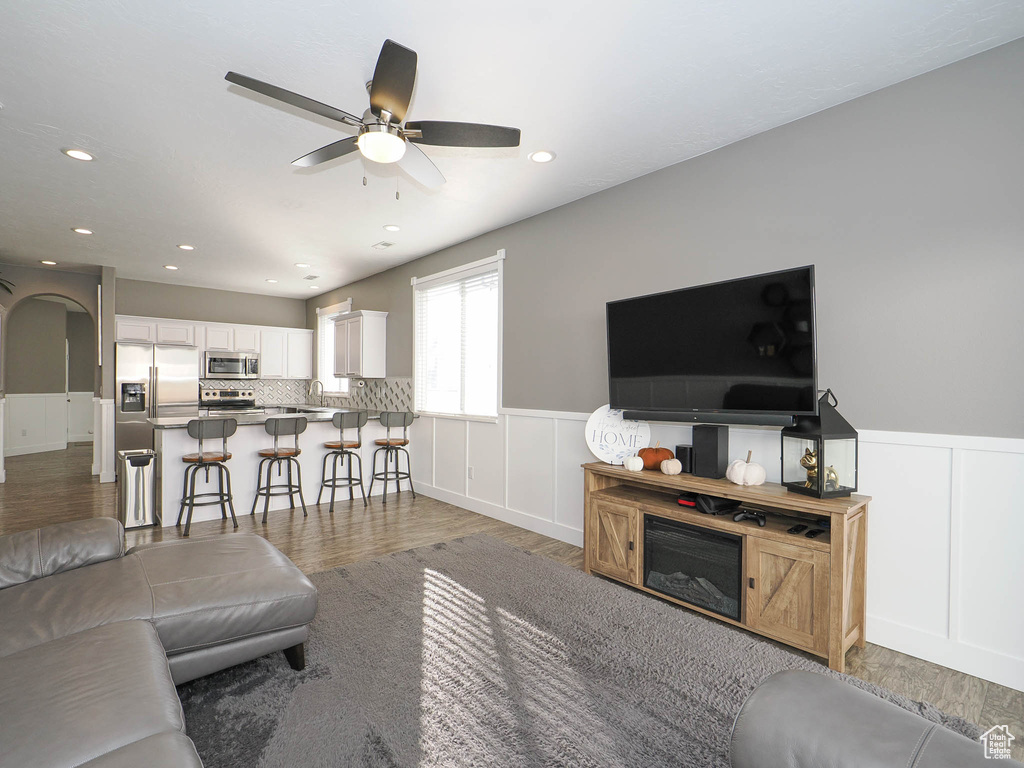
{"x":766,"y":420}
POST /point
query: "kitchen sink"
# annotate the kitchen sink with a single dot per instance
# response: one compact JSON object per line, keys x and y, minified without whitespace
{"x":283,"y":410}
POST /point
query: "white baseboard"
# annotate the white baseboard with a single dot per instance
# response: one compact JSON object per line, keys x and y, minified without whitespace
{"x":23,"y":450}
{"x":108,"y":477}
{"x":83,"y":438}
{"x":521,"y":519}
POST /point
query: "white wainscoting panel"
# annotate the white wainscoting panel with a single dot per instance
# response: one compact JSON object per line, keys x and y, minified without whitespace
{"x":530,"y":461}
{"x":97,"y":432}
{"x":991,"y":540}
{"x":908,"y":533}
{"x":35,"y":423}
{"x":80,"y":417}
{"x":3,"y":431}
{"x":944,"y":540}
{"x":450,"y":455}
{"x":486,"y":442}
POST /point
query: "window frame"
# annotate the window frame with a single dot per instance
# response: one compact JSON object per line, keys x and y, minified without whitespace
{"x":329,"y":314}
{"x":450,"y":276}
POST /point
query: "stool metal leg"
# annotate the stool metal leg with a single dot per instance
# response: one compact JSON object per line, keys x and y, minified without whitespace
{"x":220,"y":490}
{"x":291,"y":485}
{"x":334,"y":479}
{"x":323,"y":478}
{"x":348,"y":459}
{"x":231,"y":496}
{"x":184,"y":494}
{"x":298,"y":475}
{"x":191,"y":498}
{"x":266,"y":496}
{"x":373,"y":470}
{"x":259,"y":484}
{"x":359,"y":461}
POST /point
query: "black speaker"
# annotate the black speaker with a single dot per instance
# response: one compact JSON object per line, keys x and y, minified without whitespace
{"x":710,"y":450}
{"x":685,"y":455}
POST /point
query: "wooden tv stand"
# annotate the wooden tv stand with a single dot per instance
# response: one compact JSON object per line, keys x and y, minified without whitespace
{"x":806,"y":593}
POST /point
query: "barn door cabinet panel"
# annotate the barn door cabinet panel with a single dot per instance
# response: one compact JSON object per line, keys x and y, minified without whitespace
{"x":807,"y":593}
{"x":614,"y":541}
{"x":787,"y":593}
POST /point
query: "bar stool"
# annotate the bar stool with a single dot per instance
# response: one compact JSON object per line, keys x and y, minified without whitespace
{"x":391,"y":447}
{"x":208,"y":429}
{"x":344,"y":449}
{"x":280,"y":427}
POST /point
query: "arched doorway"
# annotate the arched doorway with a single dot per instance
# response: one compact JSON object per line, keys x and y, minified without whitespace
{"x":50,"y":378}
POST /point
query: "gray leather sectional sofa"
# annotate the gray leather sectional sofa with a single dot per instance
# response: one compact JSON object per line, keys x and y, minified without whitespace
{"x":798,"y":719}
{"x":93,"y":639}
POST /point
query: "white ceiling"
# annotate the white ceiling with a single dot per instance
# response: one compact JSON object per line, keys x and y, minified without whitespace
{"x":616,"y":90}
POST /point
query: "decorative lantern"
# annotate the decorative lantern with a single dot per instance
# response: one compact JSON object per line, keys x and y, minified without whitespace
{"x":819,"y":454}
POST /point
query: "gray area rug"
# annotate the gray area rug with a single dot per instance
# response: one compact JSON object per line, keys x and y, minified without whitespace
{"x":474,"y":653}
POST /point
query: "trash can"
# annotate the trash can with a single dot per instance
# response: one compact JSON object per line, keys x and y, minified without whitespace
{"x":136,"y":497}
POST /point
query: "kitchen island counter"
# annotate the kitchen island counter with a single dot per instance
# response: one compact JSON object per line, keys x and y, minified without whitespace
{"x":171,"y":442}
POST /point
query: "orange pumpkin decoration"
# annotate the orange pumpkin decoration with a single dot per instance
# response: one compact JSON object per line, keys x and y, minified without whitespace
{"x":654,"y":456}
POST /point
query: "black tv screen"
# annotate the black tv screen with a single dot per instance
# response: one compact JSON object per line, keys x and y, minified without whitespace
{"x":743,"y":346}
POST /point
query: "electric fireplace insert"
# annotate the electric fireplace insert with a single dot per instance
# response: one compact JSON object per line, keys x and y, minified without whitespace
{"x":696,"y":565}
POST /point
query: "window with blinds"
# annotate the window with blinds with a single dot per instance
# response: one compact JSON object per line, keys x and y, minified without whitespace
{"x":457,"y":341}
{"x":326,"y":316}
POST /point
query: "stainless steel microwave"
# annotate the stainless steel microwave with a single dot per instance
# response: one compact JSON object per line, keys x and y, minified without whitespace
{"x":231,"y":365}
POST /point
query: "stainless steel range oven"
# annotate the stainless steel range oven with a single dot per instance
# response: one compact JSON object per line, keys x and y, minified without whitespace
{"x":231,"y":365}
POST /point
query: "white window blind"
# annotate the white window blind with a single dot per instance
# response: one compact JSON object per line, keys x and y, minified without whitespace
{"x":457,"y":326}
{"x":325,"y":348}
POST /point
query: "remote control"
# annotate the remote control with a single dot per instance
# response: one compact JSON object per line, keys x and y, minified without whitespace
{"x":797,"y":529}
{"x":815,"y":533}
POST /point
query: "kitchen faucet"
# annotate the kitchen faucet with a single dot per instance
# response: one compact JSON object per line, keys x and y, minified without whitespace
{"x":312,"y":390}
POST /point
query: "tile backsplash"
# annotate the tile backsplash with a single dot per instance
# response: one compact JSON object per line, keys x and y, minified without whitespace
{"x":268,"y":391}
{"x":391,"y":394}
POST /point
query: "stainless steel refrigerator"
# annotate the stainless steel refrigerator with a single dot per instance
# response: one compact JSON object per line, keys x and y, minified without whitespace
{"x":152,"y":380}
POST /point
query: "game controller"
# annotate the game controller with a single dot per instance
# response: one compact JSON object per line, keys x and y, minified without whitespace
{"x":747,"y":514}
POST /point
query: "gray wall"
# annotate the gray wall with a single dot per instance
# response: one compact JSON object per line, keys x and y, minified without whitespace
{"x":35,"y":347}
{"x":30,"y":281}
{"x":908,"y":201}
{"x":81,"y":336}
{"x":137,"y":297}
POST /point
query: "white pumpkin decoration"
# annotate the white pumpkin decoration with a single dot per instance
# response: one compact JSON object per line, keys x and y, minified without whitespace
{"x":671,"y":467}
{"x":746,"y":472}
{"x":633,"y":463}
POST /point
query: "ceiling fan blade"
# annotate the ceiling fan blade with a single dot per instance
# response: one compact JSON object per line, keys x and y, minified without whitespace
{"x":330,"y":152}
{"x":293,"y":99}
{"x":442,"y":134}
{"x":393,"y":79}
{"x":420,"y":167}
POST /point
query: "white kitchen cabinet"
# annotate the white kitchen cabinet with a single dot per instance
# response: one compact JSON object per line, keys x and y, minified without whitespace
{"x":176,"y":333}
{"x":300,"y":355}
{"x":273,"y":353}
{"x":360,"y":345}
{"x":247,"y":339}
{"x":130,"y":329}
{"x":220,"y":338}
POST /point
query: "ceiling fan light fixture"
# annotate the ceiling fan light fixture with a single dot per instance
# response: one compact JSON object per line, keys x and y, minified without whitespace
{"x":381,"y":143}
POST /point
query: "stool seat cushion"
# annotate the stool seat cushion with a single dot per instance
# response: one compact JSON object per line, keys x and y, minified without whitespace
{"x":337,"y":444}
{"x":280,"y":453}
{"x":393,"y":442}
{"x":205,"y":457}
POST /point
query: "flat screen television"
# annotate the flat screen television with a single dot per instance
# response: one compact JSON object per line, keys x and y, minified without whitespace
{"x":740,"y":351}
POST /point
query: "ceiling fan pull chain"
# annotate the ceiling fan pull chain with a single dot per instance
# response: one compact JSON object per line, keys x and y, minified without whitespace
{"x":397,"y":196}
{"x":364,"y":181}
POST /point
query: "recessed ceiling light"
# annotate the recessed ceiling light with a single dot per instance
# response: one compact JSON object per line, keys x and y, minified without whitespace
{"x":314,"y":287}
{"x":77,"y":154}
{"x":392,"y":227}
{"x":271,"y":280}
{"x":49,"y":263}
{"x":170,"y":267}
{"x":187,"y":247}
{"x":300,"y":265}
{"x":542,"y":156}
{"x":82,"y":231}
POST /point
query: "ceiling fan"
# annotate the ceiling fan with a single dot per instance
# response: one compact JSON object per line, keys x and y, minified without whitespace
{"x":384,"y":136}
